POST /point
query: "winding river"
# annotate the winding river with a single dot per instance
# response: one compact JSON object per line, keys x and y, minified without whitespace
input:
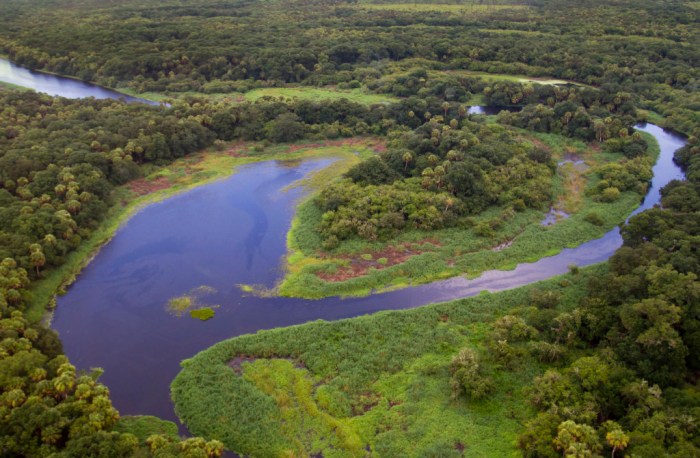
{"x":227,"y":233}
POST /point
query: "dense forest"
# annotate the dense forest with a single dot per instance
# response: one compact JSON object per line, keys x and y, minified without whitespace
{"x":601,"y":362}
{"x":645,"y":48}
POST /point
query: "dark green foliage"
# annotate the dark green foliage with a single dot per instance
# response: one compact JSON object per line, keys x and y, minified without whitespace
{"x":429,"y":177}
{"x":372,"y":171}
{"x":284,"y":128}
{"x":167,"y":50}
{"x":594,"y":218}
{"x":629,"y":352}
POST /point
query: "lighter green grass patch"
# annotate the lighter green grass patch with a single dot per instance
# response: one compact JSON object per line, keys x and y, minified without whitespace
{"x":318,"y":94}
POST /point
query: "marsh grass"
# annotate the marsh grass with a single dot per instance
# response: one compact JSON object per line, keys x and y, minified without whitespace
{"x":377,"y":383}
{"x":179,"y":305}
{"x":192,"y":303}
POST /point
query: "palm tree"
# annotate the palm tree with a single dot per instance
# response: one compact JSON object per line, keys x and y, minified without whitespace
{"x":445,"y":108}
{"x":36,"y":257}
{"x":407,"y":157}
{"x":618,"y":440}
{"x":449,"y":202}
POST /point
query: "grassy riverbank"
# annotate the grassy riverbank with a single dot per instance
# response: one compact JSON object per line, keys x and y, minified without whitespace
{"x":14,"y":87}
{"x":358,"y":267}
{"x":184,"y":174}
{"x":378,"y":383}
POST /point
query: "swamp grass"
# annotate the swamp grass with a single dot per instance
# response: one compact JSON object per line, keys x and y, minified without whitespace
{"x":376,"y":383}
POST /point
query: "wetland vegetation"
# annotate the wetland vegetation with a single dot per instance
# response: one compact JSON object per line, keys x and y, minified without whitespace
{"x":600,"y":362}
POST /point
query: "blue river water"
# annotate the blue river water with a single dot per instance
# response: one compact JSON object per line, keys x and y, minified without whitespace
{"x":59,"y":86}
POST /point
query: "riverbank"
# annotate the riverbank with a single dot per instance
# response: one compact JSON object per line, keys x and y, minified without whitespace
{"x":14,"y":87}
{"x":359,"y":267}
{"x":182,"y":175}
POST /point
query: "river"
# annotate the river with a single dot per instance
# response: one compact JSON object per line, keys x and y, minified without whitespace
{"x":227,"y":233}
{"x":58,"y":85}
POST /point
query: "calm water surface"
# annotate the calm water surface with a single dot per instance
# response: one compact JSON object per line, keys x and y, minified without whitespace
{"x":58,"y":85}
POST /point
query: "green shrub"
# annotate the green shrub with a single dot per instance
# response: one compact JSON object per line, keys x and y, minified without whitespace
{"x":594,"y":218}
{"x":467,"y":376}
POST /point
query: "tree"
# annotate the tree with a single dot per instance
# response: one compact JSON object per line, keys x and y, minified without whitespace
{"x":577,"y":441}
{"x":36,"y":257}
{"x":617,"y":439}
{"x":407,"y":158}
{"x":467,"y":376}
{"x":284,"y":128}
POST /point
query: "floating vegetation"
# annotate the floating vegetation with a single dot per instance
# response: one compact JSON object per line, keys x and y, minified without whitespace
{"x":179,"y":305}
{"x":258,"y":290}
{"x":203,"y":289}
{"x":192,"y":303}
{"x":246,"y":288}
{"x":203,"y":314}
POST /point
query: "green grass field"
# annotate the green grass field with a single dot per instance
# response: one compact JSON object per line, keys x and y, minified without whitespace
{"x":314,"y":93}
{"x":505,"y":77}
{"x":377,"y":384}
{"x":299,"y":92}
